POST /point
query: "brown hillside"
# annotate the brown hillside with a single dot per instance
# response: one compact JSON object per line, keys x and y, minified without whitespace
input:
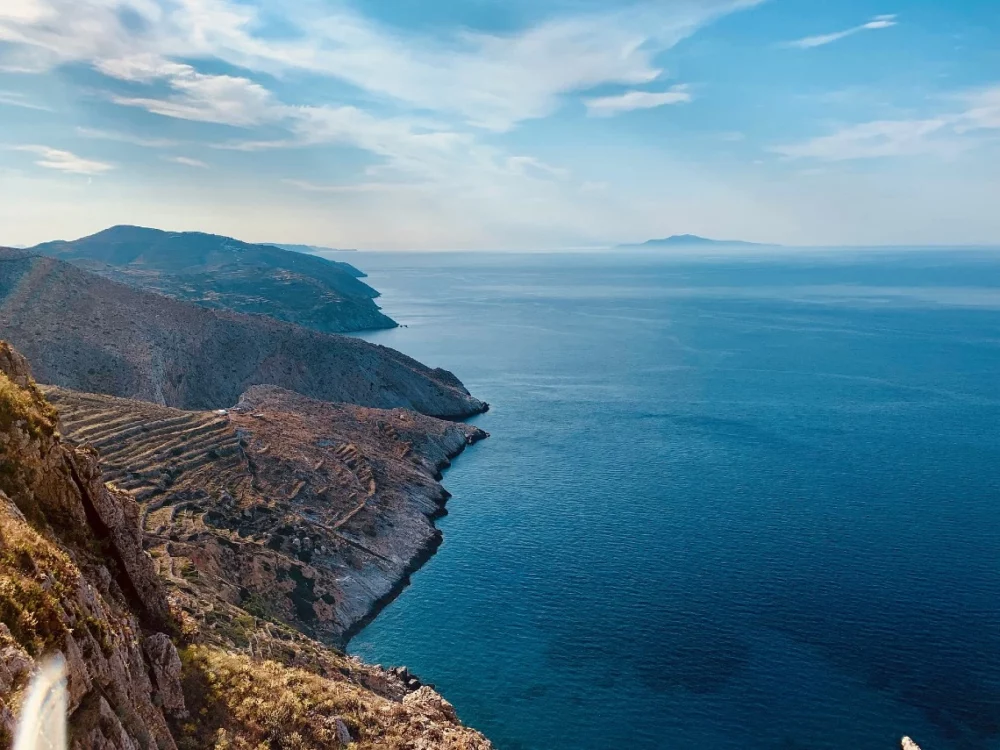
{"x":304,"y":512}
{"x":74,"y":579}
{"x":84,"y":332}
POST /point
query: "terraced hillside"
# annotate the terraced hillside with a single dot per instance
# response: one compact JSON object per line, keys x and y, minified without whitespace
{"x":304,"y":512}
{"x":84,"y":332}
{"x":75,"y":579}
{"x":224,"y":273}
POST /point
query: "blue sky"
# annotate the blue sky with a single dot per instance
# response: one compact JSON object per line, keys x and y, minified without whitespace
{"x":503,"y":123}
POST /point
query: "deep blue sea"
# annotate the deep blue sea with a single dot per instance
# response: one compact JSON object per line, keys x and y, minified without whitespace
{"x":727,"y":504}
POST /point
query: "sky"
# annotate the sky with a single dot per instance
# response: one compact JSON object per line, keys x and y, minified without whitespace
{"x":503,"y":124}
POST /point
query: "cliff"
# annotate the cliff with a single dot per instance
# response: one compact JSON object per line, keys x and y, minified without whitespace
{"x":74,"y":579}
{"x":84,"y":332}
{"x":224,"y":273}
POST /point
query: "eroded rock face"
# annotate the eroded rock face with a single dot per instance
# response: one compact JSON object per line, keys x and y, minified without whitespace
{"x":60,"y":528}
{"x":166,"y":666}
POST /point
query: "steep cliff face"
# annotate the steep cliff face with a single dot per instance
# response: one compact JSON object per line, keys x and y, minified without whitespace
{"x":74,"y":579}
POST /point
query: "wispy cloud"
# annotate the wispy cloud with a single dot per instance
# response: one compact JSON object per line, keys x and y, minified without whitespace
{"x":223,"y":99}
{"x":869,"y":140}
{"x":488,"y":80}
{"x":187,"y":161}
{"x":608,"y":106}
{"x":129,"y":138}
{"x":65,"y":161}
{"x":878,"y":22}
{"x":360,"y":187}
{"x":17,"y":99}
{"x":946,"y":133}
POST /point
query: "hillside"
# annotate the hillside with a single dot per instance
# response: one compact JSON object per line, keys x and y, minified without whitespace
{"x":224,"y":273}
{"x":309,"y":512}
{"x":88,"y":333}
{"x":75,"y":579}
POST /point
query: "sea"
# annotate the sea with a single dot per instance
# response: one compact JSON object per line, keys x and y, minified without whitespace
{"x":728,"y":502}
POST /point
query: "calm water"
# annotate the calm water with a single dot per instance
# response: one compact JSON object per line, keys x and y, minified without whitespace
{"x":725,"y":505}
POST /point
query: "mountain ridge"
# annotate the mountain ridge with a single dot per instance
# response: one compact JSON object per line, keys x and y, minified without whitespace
{"x":221,"y":272}
{"x":83,"y":331}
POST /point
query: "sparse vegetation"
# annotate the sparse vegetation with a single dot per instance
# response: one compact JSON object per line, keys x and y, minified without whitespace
{"x":25,"y":407}
{"x":34,"y":575}
{"x":238,"y":703}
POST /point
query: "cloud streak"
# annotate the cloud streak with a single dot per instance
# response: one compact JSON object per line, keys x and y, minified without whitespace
{"x":820,"y":40}
{"x":187,"y":161}
{"x":609,"y":106}
{"x":941,"y":134}
{"x":16,"y":99}
{"x":65,"y":161}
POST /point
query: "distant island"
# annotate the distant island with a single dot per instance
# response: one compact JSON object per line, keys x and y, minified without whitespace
{"x":689,"y":240}
{"x":311,"y":249}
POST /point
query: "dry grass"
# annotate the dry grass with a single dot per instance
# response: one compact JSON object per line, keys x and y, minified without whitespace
{"x":238,"y":703}
{"x":34,"y":577}
{"x":26,"y":407}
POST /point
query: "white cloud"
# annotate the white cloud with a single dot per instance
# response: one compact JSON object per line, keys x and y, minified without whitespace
{"x":17,"y":99}
{"x":223,"y":99}
{"x":608,"y":106}
{"x":530,"y":166}
{"x":187,"y":161}
{"x":869,"y":140}
{"x":129,"y":138}
{"x":942,"y":134}
{"x":983,"y":112}
{"x":361,"y":187}
{"x":878,"y":22}
{"x":491,"y":81}
{"x":65,"y":161}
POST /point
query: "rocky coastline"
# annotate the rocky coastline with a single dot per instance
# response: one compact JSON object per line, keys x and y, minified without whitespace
{"x":341,"y":496}
{"x":214,"y":629}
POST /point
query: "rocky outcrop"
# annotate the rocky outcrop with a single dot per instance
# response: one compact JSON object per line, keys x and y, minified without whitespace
{"x":84,"y":332}
{"x":224,"y":273}
{"x":75,"y":580}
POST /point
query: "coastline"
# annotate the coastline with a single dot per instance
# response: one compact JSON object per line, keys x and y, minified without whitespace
{"x":422,"y":555}
{"x":301,"y":511}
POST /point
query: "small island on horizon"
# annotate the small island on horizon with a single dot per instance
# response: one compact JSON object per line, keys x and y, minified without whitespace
{"x":689,"y":240}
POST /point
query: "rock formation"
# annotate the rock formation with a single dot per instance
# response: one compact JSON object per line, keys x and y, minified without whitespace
{"x":74,"y":578}
{"x":224,"y":273}
{"x":84,"y":332}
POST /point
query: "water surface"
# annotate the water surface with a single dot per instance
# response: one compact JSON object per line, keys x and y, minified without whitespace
{"x":726,"y":504}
